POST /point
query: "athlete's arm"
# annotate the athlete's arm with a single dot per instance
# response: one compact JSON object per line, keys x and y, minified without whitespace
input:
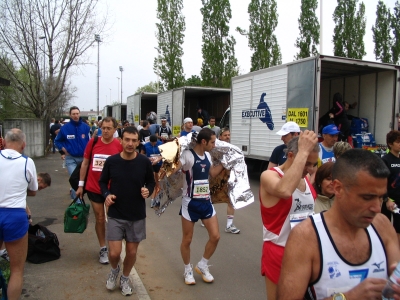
{"x":215,"y":170}
{"x":297,"y":264}
{"x":82,"y":175}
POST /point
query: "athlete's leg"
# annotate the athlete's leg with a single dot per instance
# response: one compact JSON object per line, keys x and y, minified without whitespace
{"x":187,"y":235}
{"x":17,"y":251}
{"x":100,"y":226}
{"x":271,"y":289}
{"x":211,"y":225}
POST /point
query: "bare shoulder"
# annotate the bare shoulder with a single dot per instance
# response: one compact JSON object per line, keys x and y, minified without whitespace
{"x":305,"y":231}
{"x":384,"y":228}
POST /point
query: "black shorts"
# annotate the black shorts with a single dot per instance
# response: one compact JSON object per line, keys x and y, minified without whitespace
{"x":95,"y":197}
{"x":156,"y":168}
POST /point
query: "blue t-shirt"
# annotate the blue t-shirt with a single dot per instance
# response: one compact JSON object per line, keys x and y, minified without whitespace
{"x":185,"y":133}
{"x":152,"y":150}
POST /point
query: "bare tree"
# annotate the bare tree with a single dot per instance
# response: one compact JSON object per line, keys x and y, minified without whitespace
{"x":44,"y":39}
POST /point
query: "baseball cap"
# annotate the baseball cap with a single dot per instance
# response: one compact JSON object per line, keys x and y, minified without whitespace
{"x":288,"y":128}
{"x":187,"y":120}
{"x":330,"y":129}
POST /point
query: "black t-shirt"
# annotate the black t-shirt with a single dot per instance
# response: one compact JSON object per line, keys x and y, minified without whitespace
{"x":393,"y":185}
{"x":278,"y":156}
{"x":126,"y":178}
{"x":53,"y":130}
{"x":143,"y":133}
{"x":166,"y":130}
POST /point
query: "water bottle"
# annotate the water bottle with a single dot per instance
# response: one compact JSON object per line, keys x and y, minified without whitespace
{"x":387,"y":293}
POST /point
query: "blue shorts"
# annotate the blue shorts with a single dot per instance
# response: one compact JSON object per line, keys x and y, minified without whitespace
{"x":194,"y":210}
{"x":13,"y":224}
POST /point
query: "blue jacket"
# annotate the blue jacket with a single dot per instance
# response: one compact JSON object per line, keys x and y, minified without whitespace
{"x":152,"y":150}
{"x":74,"y":137}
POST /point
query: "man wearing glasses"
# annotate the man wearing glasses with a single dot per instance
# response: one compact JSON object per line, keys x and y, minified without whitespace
{"x":288,"y":131}
{"x":287,"y":198}
{"x":96,"y":154}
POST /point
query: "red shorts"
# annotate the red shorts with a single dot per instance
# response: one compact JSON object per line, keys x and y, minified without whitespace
{"x":271,"y":261}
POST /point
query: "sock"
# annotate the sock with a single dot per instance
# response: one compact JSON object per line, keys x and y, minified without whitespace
{"x":103,"y":247}
{"x":115,"y":270}
{"x":203,"y":262}
{"x":229,"y":221}
{"x":188,"y":267}
{"x":123,"y":278}
{"x":2,"y":251}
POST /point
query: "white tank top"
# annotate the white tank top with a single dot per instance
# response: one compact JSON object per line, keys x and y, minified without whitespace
{"x":338,"y":275}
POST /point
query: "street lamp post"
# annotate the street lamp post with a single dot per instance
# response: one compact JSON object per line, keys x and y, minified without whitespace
{"x":98,"y":40}
{"x":121,"y":69}
{"x":118,"y":89}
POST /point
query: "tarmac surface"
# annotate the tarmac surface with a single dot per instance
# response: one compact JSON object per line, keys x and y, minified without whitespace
{"x":78,"y":273}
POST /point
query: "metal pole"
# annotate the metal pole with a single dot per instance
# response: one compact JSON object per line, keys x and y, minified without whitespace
{"x":118,"y":89}
{"x":98,"y":40}
{"x":121,"y":69}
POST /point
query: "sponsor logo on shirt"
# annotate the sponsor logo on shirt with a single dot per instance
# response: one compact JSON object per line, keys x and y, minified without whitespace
{"x":70,"y":136}
{"x":203,"y":168}
{"x":333,"y":269}
{"x":395,"y":165}
{"x":378,"y":267}
{"x":300,"y":207}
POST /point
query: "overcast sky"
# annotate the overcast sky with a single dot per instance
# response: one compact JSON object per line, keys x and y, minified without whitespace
{"x":131,"y":43}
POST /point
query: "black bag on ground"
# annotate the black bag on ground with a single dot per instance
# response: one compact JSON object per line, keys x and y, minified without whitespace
{"x":43,"y":245}
{"x":75,"y":176}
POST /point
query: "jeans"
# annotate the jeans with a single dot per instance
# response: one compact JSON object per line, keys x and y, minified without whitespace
{"x":71,"y":162}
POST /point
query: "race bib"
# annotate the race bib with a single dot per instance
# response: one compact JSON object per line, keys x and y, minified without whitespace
{"x":70,"y":136}
{"x":98,"y":162}
{"x":295,"y":219}
{"x":201,"y":189}
{"x":164,"y":135}
{"x":147,"y":139}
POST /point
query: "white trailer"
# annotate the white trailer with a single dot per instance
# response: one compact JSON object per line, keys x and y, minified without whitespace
{"x":302,"y":91}
{"x":182,"y":102}
{"x":138,"y":105}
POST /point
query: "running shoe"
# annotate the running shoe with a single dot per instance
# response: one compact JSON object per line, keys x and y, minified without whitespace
{"x":232,"y":229}
{"x":103,"y":256}
{"x":189,"y":279}
{"x":112,"y":279}
{"x":126,"y":288}
{"x":205,"y":273}
{"x":4,"y":255}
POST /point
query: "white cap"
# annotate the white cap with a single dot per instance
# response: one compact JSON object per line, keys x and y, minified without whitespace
{"x":288,"y":128}
{"x":187,"y":120}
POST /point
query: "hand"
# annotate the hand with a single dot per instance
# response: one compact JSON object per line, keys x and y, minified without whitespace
{"x":390,"y":205}
{"x":145,"y":192}
{"x":370,"y":288}
{"x":79,"y":192}
{"x":331,"y":115}
{"x":110,"y":200}
{"x":156,"y":160}
{"x":63,"y":156}
{"x":307,"y":141}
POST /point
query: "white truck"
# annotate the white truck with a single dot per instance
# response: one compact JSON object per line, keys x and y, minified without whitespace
{"x":302,"y":91}
{"x":138,"y":105}
{"x":182,"y":102}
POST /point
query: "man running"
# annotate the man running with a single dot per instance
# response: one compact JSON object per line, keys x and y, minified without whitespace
{"x":126,"y":181}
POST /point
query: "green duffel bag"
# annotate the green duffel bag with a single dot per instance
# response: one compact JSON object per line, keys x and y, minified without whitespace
{"x":76,"y":216}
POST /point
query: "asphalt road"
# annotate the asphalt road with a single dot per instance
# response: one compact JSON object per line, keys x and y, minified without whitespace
{"x":78,"y":275}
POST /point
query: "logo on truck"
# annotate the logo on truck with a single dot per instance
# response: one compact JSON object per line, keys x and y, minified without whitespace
{"x":262,"y":112}
{"x":167,"y":115}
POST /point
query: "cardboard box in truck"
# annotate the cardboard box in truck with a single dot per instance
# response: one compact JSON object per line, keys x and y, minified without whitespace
{"x":180,"y":103}
{"x":302,"y":91}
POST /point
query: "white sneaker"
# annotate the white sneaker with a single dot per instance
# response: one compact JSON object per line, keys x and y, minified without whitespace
{"x":189,"y":279}
{"x":232,"y":229}
{"x":103,"y":256}
{"x":205,"y":273}
{"x":112,"y":279}
{"x":126,"y":288}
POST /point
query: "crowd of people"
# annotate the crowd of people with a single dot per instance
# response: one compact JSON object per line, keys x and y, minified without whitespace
{"x":320,"y":203}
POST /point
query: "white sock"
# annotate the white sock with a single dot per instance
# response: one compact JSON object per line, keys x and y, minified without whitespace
{"x":123,"y":278}
{"x":2,"y":251}
{"x":115,"y":270}
{"x":103,"y":247}
{"x":203,"y":262}
{"x":229,"y":221}
{"x":188,"y":268}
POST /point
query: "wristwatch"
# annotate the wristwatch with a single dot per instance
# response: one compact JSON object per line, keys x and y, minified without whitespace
{"x":338,"y":296}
